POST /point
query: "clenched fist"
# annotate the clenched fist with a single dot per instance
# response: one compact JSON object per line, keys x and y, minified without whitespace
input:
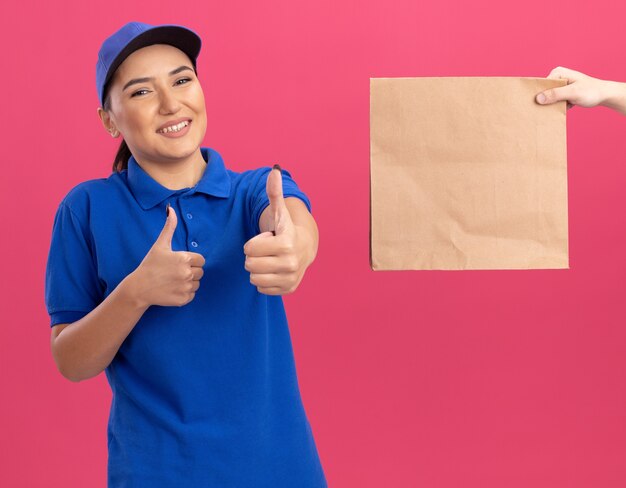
{"x":277,"y":259}
{"x":166,"y":277}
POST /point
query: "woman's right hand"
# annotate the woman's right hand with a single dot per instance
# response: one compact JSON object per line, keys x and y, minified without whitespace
{"x":166,"y":277}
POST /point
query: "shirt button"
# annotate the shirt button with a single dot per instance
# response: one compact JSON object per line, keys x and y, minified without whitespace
{"x":189,"y":216}
{"x":194,"y":243}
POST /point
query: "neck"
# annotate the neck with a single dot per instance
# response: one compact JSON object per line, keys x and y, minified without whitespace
{"x":175,"y":174}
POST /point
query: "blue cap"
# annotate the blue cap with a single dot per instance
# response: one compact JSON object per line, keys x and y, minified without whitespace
{"x":135,"y":35}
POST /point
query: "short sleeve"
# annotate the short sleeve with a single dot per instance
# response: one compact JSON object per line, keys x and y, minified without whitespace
{"x":72,"y":287}
{"x":260,"y":200}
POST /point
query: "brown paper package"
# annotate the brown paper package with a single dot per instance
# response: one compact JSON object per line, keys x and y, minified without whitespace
{"x":467,"y":173}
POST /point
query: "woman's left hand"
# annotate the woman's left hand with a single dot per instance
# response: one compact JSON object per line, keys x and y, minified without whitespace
{"x":277,"y":262}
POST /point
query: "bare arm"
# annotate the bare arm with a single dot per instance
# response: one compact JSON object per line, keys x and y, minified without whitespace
{"x":615,"y":96}
{"x":86,"y":347}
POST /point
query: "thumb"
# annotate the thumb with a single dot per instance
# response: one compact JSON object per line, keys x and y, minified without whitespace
{"x":555,"y":95}
{"x":165,"y":237}
{"x":278,"y":208}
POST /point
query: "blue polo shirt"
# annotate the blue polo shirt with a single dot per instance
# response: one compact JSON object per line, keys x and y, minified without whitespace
{"x":204,"y":395}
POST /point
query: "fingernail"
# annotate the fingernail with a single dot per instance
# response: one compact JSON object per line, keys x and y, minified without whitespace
{"x":277,"y":166}
{"x":167,"y":209}
{"x":541,"y":98}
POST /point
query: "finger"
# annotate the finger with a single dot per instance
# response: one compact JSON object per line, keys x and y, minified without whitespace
{"x":269,"y":264}
{"x":193,"y":258}
{"x":197,"y":273}
{"x":274,"y":188}
{"x":251,"y":247}
{"x":272,"y":290}
{"x":555,"y":95}
{"x":556,"y":74}
{"x":268,"y":245}
{"x":266,"y":279}
{"x":278,"y":207}
{"x":165,"y":237}
{"x":560,"y":73}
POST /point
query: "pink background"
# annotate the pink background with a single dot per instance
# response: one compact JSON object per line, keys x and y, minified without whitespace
{"x":410,"y":379}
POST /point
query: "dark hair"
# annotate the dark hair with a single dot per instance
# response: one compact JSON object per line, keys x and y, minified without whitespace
{"x":120,"y":162}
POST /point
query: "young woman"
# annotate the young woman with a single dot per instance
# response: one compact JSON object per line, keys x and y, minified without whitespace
{"x":168,"y":276}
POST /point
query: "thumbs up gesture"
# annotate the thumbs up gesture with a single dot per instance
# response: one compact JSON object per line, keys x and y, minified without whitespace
{"x":166,"y":277}
{"x":277,"y":258}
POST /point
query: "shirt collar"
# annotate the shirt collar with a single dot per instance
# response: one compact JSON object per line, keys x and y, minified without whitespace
{"x":149,"y":192}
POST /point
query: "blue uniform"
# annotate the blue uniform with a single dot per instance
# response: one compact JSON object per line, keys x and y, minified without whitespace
{"x":204,"y":395}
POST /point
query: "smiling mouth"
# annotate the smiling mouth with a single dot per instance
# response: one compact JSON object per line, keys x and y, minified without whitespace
{"x":174,"y":128}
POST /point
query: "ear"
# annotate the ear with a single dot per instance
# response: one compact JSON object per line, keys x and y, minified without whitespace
{"x":107,"y":123}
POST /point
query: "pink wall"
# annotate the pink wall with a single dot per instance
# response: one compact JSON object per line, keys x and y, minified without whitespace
{"x":410,"y":379}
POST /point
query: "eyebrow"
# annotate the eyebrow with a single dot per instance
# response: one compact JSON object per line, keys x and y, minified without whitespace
{"x":143,"y":80}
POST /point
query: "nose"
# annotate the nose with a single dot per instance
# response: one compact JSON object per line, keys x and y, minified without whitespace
{"x":169,"y":102}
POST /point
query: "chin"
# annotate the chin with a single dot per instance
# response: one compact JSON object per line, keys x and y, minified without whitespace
{"x":186,"y":143}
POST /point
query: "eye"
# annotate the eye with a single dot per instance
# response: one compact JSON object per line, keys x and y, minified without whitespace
{"x":137,"y":92}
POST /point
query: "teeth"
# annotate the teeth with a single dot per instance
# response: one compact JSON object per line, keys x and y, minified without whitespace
{"x":175,"y":128}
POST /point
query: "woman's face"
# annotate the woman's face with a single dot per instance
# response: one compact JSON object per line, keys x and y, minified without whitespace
{"x":139,"y":108}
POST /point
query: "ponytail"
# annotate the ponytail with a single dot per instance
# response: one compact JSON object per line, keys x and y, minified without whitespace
{"x":121,"y":158}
